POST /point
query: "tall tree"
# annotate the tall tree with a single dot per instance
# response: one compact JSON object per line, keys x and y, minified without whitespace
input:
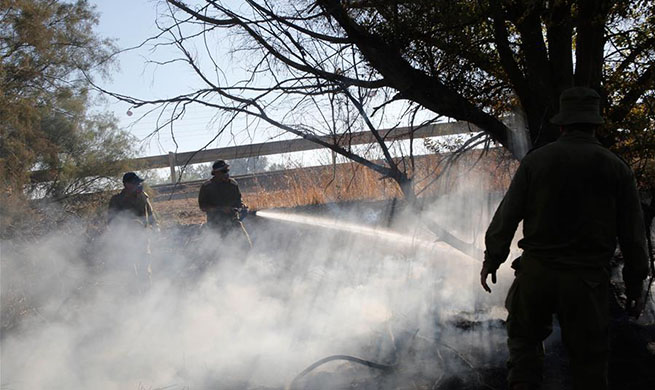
{"x":46,"y":49}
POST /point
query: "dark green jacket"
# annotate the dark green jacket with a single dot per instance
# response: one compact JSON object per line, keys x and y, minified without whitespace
{"x":575,"y":198}
{"x":132,"y":205}
{"x":217,"y":198}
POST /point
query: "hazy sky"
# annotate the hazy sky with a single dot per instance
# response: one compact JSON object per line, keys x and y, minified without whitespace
{"x":130,"y":22}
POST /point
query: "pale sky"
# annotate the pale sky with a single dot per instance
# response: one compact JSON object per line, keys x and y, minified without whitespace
{"x":130,"y":22}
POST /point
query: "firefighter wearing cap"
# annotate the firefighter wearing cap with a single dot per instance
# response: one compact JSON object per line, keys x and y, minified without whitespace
{"x":575,"y":199}
{"x":132,"y":202}
{"x":220,"y":199}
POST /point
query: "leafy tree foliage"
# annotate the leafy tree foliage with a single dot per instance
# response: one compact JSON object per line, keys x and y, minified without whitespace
{"x":242,"y":166}
{"x":499,"y":54}
{"x":46,"y":50}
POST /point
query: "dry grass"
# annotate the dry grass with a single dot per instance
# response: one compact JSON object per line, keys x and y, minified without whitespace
{"x":353,"y":182}
{"x":346,"y":182}
{"x":179,"y":211}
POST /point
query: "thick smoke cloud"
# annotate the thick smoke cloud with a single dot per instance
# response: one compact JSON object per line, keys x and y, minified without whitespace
{"x":213,"y":315}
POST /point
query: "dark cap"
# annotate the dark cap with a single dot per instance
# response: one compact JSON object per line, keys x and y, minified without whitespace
{"x":220,"y":165}
{"x":578,"y":105}
{"x":131,"y":177}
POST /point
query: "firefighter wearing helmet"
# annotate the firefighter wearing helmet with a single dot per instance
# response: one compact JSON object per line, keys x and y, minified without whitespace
{"x":220,"y":199}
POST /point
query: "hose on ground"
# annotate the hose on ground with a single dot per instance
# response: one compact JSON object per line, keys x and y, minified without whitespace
{"x":368,"y":363}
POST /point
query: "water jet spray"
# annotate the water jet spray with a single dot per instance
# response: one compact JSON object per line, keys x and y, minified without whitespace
{"x":368,"y":231}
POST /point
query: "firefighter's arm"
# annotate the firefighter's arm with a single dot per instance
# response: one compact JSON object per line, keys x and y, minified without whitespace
{"x":112,"y":209}
{"x":238,"y":198}
{"x":236,"y":201}
{"x":632,"y":240}
{"x":501,"y":231}
{"x":203,"y":201}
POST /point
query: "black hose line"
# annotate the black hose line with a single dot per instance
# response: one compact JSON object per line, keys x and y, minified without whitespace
{"x":368,"y":363}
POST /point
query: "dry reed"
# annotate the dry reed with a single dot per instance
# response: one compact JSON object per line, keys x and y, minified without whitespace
{"x":353,"y":182}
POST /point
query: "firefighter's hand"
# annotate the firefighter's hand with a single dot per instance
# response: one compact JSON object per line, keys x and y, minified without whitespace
{"x":483,"y":277}
{"x":634,"y":307}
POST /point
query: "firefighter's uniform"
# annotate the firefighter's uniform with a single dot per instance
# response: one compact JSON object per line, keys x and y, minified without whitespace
{"x":132,"y":205}
{"x":575,"y":198}
{"x":220,"y":199}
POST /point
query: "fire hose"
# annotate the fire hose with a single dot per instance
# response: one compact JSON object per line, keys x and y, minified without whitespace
{"x":368,"y":363}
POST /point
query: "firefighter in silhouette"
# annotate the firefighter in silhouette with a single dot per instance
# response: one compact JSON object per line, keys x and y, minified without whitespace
{"x":575,"y":199}
{"x":220,"y":199}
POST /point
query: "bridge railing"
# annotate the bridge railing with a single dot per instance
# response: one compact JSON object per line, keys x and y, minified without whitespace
{"x":173,"y":160}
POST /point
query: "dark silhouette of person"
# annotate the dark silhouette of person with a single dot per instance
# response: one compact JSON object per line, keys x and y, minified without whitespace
{"x":575,"y":199}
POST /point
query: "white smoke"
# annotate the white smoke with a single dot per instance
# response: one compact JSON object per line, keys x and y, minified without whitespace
{"x":211,"y":315}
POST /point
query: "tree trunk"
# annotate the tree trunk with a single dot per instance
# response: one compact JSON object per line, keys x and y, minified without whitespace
{"x":439,"y":231}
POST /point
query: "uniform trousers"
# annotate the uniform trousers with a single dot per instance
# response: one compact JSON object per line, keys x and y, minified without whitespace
{"x":578,"y":297}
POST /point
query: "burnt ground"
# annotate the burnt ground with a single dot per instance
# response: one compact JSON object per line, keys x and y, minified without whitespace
{"x":416,"y":361}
